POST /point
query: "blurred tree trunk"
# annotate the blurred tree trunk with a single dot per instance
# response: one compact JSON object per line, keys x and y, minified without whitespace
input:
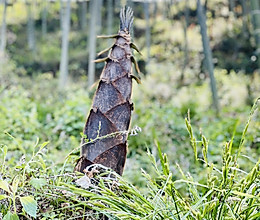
{"x":99,"y":17}
{"x":164,"y":9}
{"x":155,"y":9}
{"x":207,"y":54}
{"x":65,"y":46}
{"x":245,"y":17}
{"x":186,"y":49}
{"x":92,"y":41}
{"x":147,"y":30}
{"x":44,"y":18}
{"x":206,"y":6}
{"x":110,"y":18}
{"x":30,"y":26}
{"x":255,"y":15}
{"x":83,"y":15}
{"x":3,"y":30}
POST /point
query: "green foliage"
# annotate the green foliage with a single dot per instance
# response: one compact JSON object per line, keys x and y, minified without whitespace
{"x":209,"y":173}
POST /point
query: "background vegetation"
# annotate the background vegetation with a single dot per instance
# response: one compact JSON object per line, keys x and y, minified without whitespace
{"x":211,"y":170}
